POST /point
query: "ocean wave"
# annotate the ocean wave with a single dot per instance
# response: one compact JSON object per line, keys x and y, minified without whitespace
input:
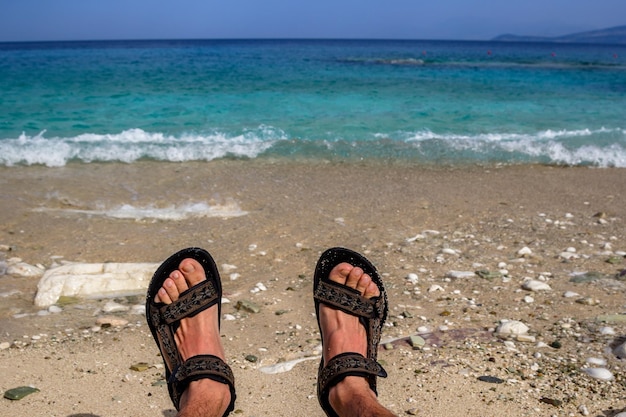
{"x":584,"y":147}
{"x":603,"y":147}
{"x":134,"y":144}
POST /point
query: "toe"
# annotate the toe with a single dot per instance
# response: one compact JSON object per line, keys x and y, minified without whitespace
{"x":192,"y":271}
{"x":178,"y":279}
{"x":339,"y":273}
{"x":171,"y":291}
{"x":354,"y":277}
{"x":363,"y":283}
{"x":371,"y":290}
{"x":162,"y":297}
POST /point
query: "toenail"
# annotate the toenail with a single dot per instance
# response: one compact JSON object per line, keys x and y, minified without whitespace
{"x":188,"y":268}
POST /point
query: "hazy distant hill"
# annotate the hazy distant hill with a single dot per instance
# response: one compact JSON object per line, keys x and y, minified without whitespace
{"x":615,"y":35}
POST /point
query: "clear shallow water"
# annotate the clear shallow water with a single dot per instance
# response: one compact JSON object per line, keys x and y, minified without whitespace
{"x":417,"y":101}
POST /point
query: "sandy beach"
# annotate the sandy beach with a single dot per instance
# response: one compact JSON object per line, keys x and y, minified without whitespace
{"x":513,"y":224}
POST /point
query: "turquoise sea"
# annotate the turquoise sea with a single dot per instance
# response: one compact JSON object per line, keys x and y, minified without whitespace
{"x":418,"y":102}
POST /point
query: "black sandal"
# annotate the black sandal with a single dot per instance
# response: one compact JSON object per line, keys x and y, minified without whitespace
{"x":372,"y":313}
{"x":163,"y":320}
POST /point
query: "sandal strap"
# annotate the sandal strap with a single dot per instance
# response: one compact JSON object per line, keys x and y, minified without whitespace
{"x":191,"y":302}
{"x":347,"y":364}
{"x":349,"y":300}
{"x":201,"y":367}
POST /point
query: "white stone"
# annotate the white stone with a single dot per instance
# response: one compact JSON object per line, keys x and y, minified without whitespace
{"x":607,"y":331}
{"x":511,"y":328}
{"x":568,"y":255}
{"x":55,"y":309}
{"x":525,"y":338}
{"x":460,"y":274}
{"x":229,"y":317}
{"x":570,"y":294}
{"x":525,"y":251}
{"x":111,"y":321}
{"x":434,"y":288}
{"x":448,"y":251}
{"x":4,"y":345}
{"x":599,"y":373}
{"x":22,"y":269}
{"x":596,"y":361}
{"x":113,"y":307}
{"x":528,"y":299}
{"x":98,"y":280}
{"x":412,"y":278}
{"x":535,"y":285}
{"x":285,"y":366}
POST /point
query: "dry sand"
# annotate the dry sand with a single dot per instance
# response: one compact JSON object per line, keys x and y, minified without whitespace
{"x":463,"y":219}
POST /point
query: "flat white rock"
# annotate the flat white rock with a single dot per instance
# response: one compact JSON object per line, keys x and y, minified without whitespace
{"x":534,"y":285}
{"x":22,"y":269}
{"x":599,"y":373}
{"x":460,"y":274}
{"x":98,"y":280}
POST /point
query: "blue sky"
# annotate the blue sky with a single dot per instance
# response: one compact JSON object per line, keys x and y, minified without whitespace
{"x":27,"y":20}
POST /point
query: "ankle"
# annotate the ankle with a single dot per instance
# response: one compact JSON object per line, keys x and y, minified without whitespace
{"x":204,"y":397}
{"x":352,"y":397}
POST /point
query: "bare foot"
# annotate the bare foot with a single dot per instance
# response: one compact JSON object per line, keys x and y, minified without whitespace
{"x":342,"y":332}
{"x":197,"y":335}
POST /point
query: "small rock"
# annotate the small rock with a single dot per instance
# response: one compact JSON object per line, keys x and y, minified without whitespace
{"x":55,"y":309}
{"x":22,"y":269}
{"x":251,"y":358}
{"x":460,"y":274}
{"x":596,"y":361}
{"x":599,"y":373}
{"x":535,"y":285}
{"x":412,"y":411}
{"x":620,"y":351}
{"x":412,"y":278}
{"x":551,"y":401}
{"x":4,"y":345}
{"x":490,"y":379}
{"x":570,"y":294}
{"x":139,"y":367}
{"x":109,"y":321}
{"x":248,"y":306}
{"x":417,"y":342}
{"x":19,"y":393}
{"x":113,"y":307}
{"x":524,"y":252}
{"x":508,"y":328}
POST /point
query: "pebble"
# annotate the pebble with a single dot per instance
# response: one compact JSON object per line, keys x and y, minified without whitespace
{"x":534,"y":285}
{"x":599,"y":373}
{"x":412,"y":278}
{"x":113,"y":307}
{"x":55,"y":309}
{"x":248,"y":306}
{"x":508,"y":328}
{"x":417,"y":342}
{"x":596,"y":361}
{"x":570,"y":294}
{"x":620,"y":351}
{"x":22,"y":269}
{"x":19,"y":393}
{"x":525,"y":251}
{"x":460,"y":274}
{"x":607,"y":331}
{"x":4,"y":345}
{"x":111,"y":321}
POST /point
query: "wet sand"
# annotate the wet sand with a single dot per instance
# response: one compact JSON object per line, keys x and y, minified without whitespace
{"x":422,"y":220}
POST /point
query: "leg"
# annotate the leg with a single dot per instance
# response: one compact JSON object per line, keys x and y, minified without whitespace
{"x":342,"y":332}
{"x":196,"y":335}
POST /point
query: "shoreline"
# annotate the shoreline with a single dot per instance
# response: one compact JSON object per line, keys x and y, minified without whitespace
{"x":405,"y":219}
